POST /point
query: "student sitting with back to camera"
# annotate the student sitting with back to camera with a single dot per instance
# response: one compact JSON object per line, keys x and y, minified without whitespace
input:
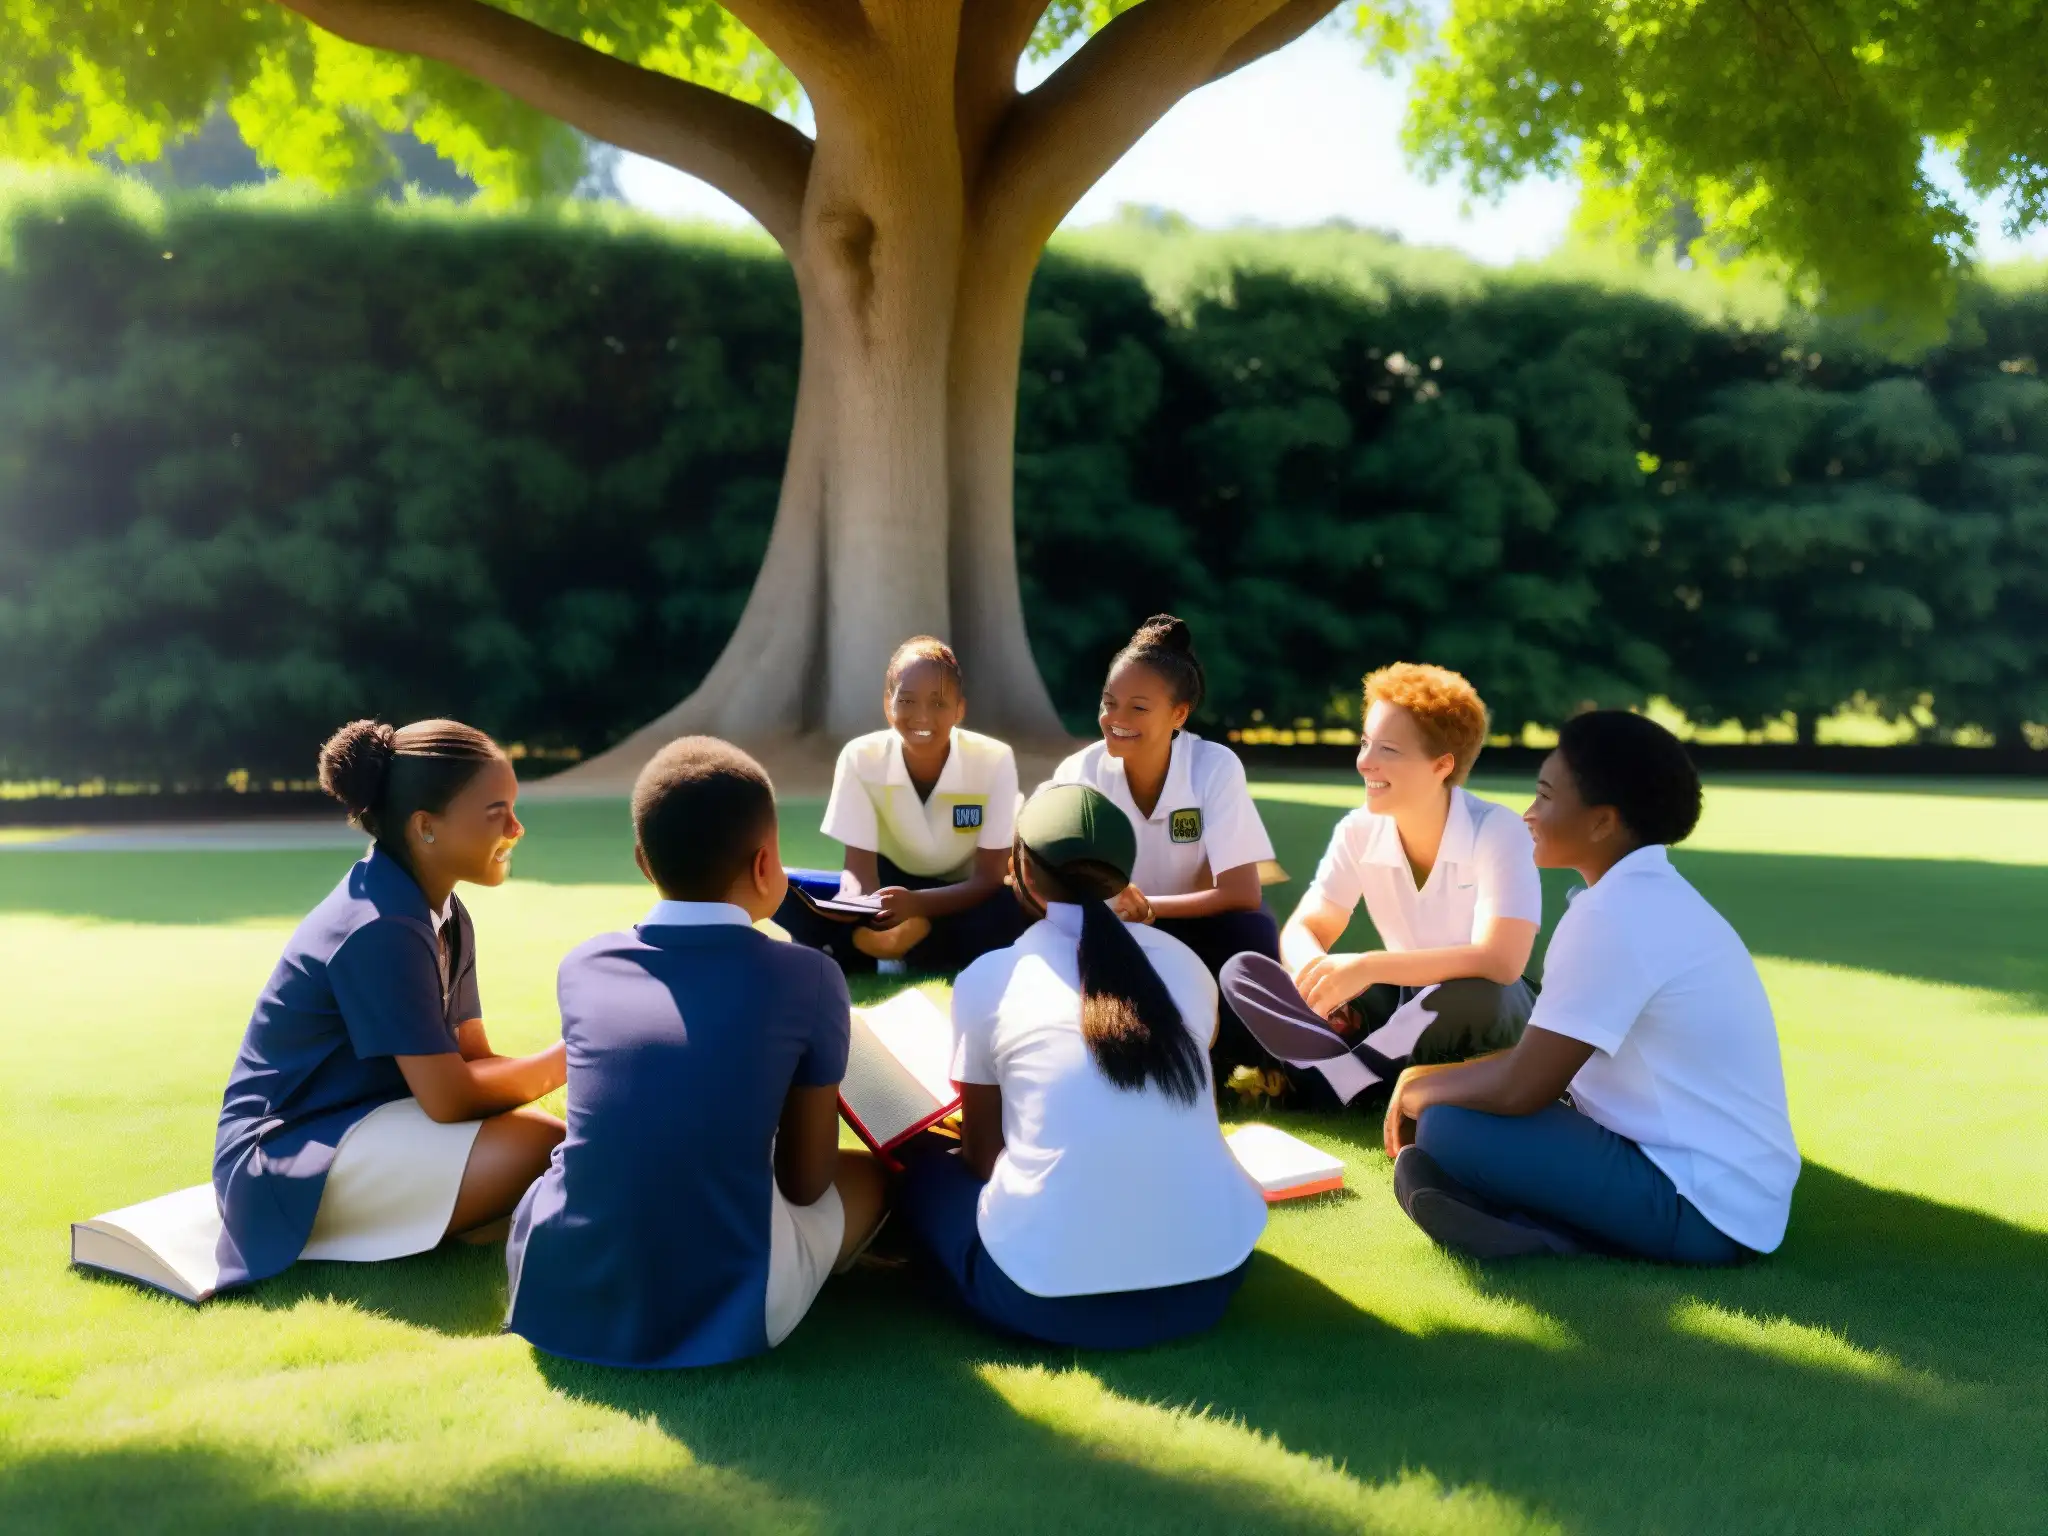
{"x":1093,"y":1201}
{"x":700,"y":1198}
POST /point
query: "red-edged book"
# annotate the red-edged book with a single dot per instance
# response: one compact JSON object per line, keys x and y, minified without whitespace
{"x":1284,"y":1167}
{"x":898,"y":1072}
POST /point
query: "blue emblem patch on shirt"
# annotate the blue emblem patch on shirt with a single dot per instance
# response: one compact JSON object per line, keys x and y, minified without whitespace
{"x":966,"y":818}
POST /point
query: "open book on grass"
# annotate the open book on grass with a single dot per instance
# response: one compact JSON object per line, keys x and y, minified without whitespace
{"x":898,"y":1071}
{"x":167,"y":1243}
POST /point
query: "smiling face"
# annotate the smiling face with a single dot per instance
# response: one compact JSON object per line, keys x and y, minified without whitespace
{"x":1568,"y":833}
{"x":1139,"y":713}
{"x":1394,"y":759}
{"x":474,"y":837}
{"x":924,"y":706}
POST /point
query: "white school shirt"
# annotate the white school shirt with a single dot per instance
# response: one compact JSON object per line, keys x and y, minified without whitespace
{"x":1097,"y":1188}
{"x":1205,"y":820}
{"x":875,"y":806}
{"x":1685,"y":1051}
{"x":1485,"y":868}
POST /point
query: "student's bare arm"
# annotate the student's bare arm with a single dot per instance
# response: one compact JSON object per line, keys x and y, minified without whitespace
{"x":451,"y":1089}
{"x":472,"y":1042}
{"x":1514,"y":1082}
{"x":1316,"y":925}
{"x":981,"y":1127}
{"x":807,"y":1144}
{"x":982,"y":882}
{"x":1235,"y":890}
{"x":865,"y":865}
{"x":1500,"y":954}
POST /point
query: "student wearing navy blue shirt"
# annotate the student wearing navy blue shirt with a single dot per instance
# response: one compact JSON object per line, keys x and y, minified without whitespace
{"x":700,"y":1199}
{"x":367,"y":1116}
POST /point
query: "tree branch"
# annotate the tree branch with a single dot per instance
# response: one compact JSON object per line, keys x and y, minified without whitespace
{"x":993,"y":37}
{"x":752,"y":156}
{"x":1059,"y":139}
{"x":1274,"y":33}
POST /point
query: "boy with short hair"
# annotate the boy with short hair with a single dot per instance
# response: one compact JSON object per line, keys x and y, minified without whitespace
{"x":699,"y":1200}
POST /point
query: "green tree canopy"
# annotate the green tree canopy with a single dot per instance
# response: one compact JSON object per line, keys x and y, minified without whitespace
{"x":1791,"y":131}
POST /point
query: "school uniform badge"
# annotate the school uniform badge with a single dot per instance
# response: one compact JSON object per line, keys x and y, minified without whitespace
{"x":1185,"y":826}
{"x":966,"y":818}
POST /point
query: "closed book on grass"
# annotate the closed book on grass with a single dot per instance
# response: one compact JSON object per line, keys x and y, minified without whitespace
{"x":899,"y":1069}
{"x":167,"y":1243}
{"x":1285,"y":1167}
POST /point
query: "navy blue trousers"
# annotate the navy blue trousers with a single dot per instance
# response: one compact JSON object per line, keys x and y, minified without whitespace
{"x":937,"y":1201}
{"x":955,"y":941}
{"x":1215,"y":940}
{"x":1561,"y":1170}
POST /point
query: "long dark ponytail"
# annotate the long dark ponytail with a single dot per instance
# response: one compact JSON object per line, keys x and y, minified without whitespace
{"x":1132,"y":1025}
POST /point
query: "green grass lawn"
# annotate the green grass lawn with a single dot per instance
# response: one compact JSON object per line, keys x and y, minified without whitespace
{"x":1887,"y":1370}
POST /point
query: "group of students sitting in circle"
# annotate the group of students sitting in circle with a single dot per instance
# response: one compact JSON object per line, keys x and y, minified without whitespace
{"x":1116,"y":960}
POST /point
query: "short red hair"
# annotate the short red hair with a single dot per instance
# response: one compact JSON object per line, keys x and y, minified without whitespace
{"x":1447,"y":708}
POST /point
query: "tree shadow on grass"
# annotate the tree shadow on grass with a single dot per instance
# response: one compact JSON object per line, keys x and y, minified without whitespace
{"x":206,"y":1488}
{"x":1884,"y":1367}
{"x":1880,"y":1373}
{"x":1844,"y":1385}
{"x":457,"y":1289}
{"x":937,"y":1443}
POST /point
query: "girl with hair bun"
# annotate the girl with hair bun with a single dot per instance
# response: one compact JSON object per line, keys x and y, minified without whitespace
{"x":924,"y":809}
{"x":1200,"y":839}
{"x":367,"y":1116}
{"x":1092,"y":1202}
{"x":1676,"y":1144}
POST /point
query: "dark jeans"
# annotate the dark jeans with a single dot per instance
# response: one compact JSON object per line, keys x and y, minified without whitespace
{"x":955,"y":940}
{"x":1214,"y":940}
{"x":1556,"y":1168}
{"x":937,"y":1201}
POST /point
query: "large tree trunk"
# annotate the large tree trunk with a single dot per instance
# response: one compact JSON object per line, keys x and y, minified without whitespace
{"x":896,"y":516}
{"x":1010,"y":696}
{"x":914,"y":222}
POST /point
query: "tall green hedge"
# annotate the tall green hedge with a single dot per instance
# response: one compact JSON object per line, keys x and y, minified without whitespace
{"x":265,"y":465}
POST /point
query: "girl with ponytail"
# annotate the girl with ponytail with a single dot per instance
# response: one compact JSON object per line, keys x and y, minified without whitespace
{"x":1093,"y":1202}
{"x":367,"y":1116}
{"x":1201,"y":845}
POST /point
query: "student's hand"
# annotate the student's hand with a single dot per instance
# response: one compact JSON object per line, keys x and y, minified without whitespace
{"x":1328,"y":983}
{"x":1132,"y":905}
{"x":1398,"y":1130}
{"x":898,"y":906}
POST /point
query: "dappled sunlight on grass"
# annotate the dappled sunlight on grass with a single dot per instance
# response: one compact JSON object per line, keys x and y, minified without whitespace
{"x":1362,"y":1379}
{"x":1803,"y":1344}
{"x":1193,"y":1445}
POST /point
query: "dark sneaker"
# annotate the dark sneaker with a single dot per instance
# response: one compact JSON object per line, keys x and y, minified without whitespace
{"x":1451,"y":1216}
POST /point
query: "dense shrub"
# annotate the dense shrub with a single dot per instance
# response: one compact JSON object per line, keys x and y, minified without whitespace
{"x":249,"y":448}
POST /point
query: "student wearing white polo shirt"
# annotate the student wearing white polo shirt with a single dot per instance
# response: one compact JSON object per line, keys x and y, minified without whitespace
{"x":1092,"y":1202}
{"x":1448,"y":880}
{"x":926,"y":811}
{"x":1200,"y":839}
{"x":1676,"y":1144}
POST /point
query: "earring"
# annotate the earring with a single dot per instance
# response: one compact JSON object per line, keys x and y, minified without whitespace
{"x":426,"y":837}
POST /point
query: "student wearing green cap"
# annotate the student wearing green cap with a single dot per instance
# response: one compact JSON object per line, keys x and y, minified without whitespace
{"x":1092,"y":1202}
